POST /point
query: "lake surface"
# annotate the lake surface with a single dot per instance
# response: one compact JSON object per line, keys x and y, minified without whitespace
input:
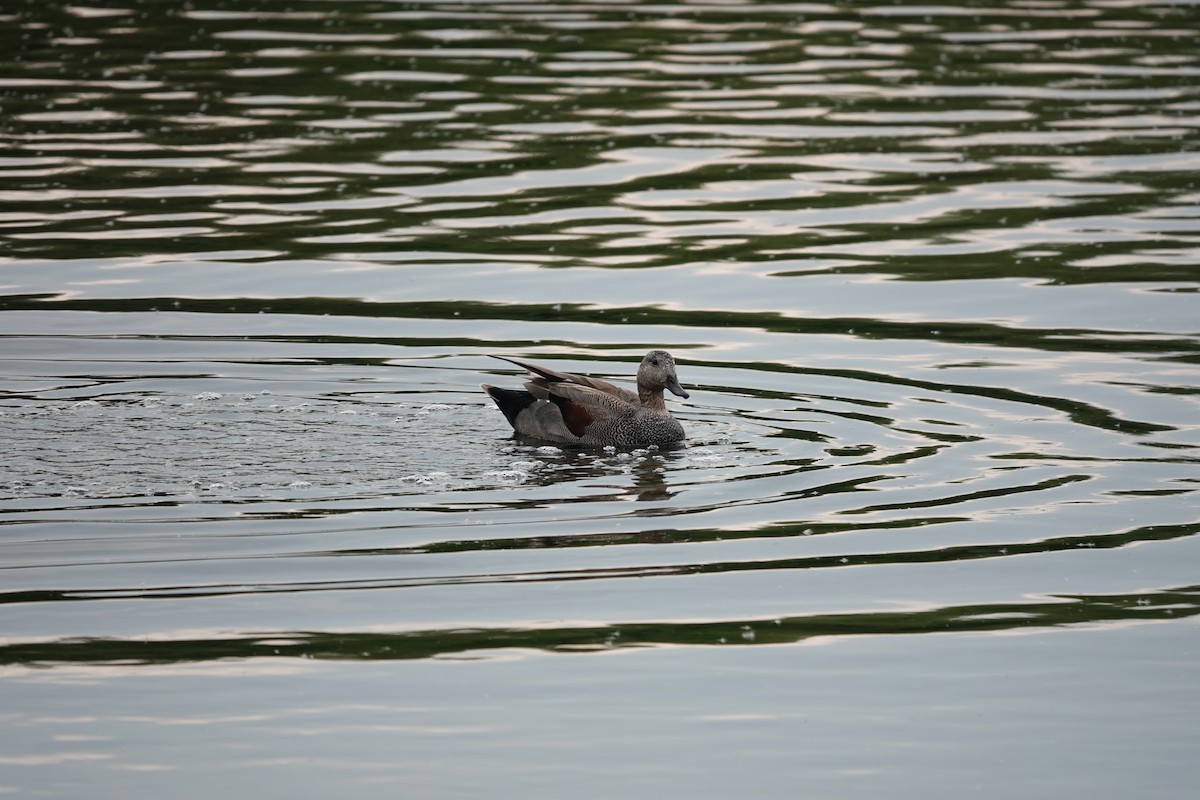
{"x":930,"y":274}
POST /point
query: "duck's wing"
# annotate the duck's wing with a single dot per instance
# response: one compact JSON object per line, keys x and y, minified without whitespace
{"x":552,"y":377}
{"x":581,"y":406}
{"x":561,"y":411}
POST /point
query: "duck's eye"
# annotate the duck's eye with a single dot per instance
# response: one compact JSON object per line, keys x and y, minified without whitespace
{"x":654,"y":362}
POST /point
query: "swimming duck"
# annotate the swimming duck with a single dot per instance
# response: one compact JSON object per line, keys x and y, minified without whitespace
{"x":575,"y":409}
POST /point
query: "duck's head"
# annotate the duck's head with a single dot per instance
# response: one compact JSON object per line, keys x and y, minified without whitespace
{"x":657,"y":372}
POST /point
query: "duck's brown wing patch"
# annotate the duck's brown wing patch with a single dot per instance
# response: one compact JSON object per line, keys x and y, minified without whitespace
{"x":575,"y":415}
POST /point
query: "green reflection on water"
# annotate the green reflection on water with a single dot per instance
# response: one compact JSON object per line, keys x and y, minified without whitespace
{"x":1169,"y":604}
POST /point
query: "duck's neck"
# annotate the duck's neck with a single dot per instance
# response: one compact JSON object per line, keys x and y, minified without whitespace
{"x":652,"y":398}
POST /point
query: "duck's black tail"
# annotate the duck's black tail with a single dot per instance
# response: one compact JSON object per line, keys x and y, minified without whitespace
{"x":511,"y":401}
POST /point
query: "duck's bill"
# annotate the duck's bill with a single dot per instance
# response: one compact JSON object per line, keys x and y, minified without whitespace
{"x":674,"y":388}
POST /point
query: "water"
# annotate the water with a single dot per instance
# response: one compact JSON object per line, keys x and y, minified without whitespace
{"x":929,"y":273}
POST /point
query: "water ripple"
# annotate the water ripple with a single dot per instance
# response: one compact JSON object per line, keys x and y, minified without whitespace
{"x":929,"y":274}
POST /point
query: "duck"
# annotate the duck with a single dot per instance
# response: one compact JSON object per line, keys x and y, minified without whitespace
{"x":578,"y":410}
